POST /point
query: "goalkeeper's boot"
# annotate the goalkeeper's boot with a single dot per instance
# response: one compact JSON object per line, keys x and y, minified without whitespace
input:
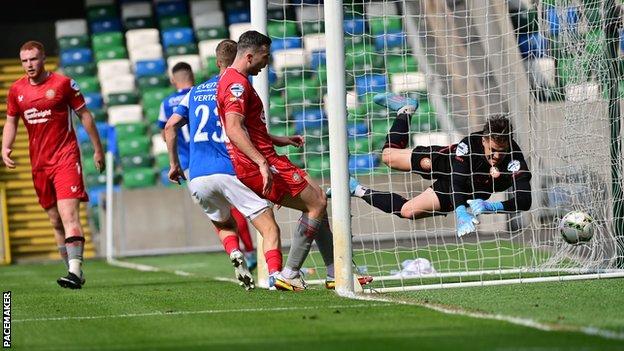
{"x":279,"y":282}
{"x":330,"y":282}
{"x":70,"y":281}
{"x":399,"y":103}
{"x":241,"y":271}
{"x":252,"y":260}
{"x":353,"y":185}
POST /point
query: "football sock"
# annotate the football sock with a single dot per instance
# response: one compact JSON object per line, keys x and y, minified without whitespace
{"x":243,"y":229}
{"x":325,"y":242}
{"x":274,"y":260}
{"x":302,"y":240}
{"x":63,"y":252}
{"x":230,"y":243}
{"x":75,"y":249}
{"x":385,"y":201}
{"x":398,"y":136}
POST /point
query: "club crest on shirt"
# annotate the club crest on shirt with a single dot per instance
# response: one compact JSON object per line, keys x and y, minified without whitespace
{"x":462,"y":149}
{"x":20,"y":98}
{"x":50,"y":94}
{"x":74,"y":85}
{"x":513,"y":166}
{"x":237,"y":89}
{"x":296,"y":177}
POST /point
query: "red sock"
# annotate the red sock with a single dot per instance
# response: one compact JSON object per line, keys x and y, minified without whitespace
{"x":243,"y":229}
{"x":273,"y":260}
{"x":230,"y":243}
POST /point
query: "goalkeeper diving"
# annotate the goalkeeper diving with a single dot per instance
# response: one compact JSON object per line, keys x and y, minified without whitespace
{"x":465,"y":174}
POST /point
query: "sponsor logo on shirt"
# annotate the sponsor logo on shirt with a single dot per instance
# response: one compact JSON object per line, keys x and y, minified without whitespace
{"x":513,"y":166}
{"x":50,"y":94}
{"x":34,"y":116}
{"x":237,"y":89}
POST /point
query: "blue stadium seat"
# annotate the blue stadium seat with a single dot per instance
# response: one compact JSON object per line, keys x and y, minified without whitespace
{"x":150,"y":67}
{"x":94,"y":195}
{"x":286,"y":43}
{"x":94,"y":101}
{"x":238,"y":16}
{"x":83,"y":137}
{"x":389,"y":41}
{"x":371,"y":83}
{"x":171,"y":8}
{"x":357,"y":129}
{"x":354,"y":26}
{"x":272,"y":75}
{"x":81,"y":134}
{"x":74,"y":57}
{"x":363,"y":163}
{"x":307,"y":119}
{"x":556,"y":21}
{"x":319,"y":58}
{"x":552,"y":20}
{"x":177,"y":36}
{"x":106,"y":25}
{"x":532,"y":45}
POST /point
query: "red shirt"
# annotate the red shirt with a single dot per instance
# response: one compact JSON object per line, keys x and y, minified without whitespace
{"x":45,"y":110}
{"x":236,"y":94}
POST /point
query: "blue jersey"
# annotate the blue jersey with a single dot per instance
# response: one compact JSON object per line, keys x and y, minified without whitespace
{"x":208,"y":153}
{"x":166,"y":110}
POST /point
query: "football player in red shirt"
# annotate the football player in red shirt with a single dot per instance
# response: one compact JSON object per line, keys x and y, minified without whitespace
{"x":44,"y":101}
{"x":265,"y":172}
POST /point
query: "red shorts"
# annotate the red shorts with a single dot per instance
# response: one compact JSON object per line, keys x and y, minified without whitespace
{"x":60,"y":182}
{"x":288,"y":179}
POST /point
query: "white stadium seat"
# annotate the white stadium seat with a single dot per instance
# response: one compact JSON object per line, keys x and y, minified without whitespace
{"x":207,"y":48}
{"x":118,"y":84}
{"x":147,"y":52}
{"x":91,"y":3}
{"x":159,"y":146}
{"x":136,"y":9}
{"x":381,"y":9}
{"x":112,"y":68}
{"x":136,"y":38}
{"x":209,"y":19}
{"x":585,"y":92}
{"x":351,"y":99}
{"x":192,"y":60}
{"x":204,"y":6}
{"x":426,"y":139}
{"x":409,"y":81}
{"x":314,"y":42}
{"x":124,"y":114}
{"x":543,"y":70}
{"x":288,"y":58}
{"x":70,"y":27}
{"x":310,"y":13}
{"x":237,"y":29}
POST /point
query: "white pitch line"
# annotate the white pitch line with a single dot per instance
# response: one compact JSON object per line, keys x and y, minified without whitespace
{"x":177,"y":313}
{"x":526,"y":322}
{"x":147,"y":268}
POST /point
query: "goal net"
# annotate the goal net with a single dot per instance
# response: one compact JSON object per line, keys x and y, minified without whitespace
{"x":545,"y":64}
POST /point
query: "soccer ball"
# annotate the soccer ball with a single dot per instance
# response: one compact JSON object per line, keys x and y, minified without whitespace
{"x":576,"y":227}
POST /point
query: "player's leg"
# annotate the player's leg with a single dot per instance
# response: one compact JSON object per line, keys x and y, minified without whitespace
{"x":59,"y":232}
{"x":398,"y":159}
{"x":423,"y":205}
{"x":47,"y":199}
{"x":245,"y":238}
{"x":74,"y":241}
{"x":398,"y":135}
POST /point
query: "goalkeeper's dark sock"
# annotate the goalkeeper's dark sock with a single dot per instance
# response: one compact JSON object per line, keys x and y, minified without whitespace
{"x":75,"y":249}
{"x":302,"y":241}
{"x":63,"y":252}
{"x":398,"y":136}
{"x":385,"y":201}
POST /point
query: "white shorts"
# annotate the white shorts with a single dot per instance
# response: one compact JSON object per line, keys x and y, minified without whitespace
{"x":217,"y":193}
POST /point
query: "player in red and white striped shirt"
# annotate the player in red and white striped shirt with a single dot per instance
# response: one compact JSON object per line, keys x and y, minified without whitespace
{"x":44,"y":100}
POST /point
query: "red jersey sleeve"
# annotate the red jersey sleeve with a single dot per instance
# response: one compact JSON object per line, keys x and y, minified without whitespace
{"x":75,"y":99}
{"x":13,"y":109}
{"x":235,"y":97}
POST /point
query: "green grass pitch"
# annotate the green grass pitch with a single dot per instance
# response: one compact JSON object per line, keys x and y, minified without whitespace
{"x":123,"y":309}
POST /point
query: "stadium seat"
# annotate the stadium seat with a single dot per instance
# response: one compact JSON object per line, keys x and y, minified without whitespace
{"x":138,"y":145}
{"x":88,"y":84}
{"x":317,"y":166}
{"x":209,"y":20}
{"x":532,"y":45}
{"x":383,"y":24}
{"x":138,"y":178}
{"x":159,"y":146}
{"x":317,"y":58}
{"x":154,"y":97}
{"x":288,"y":58}
{"x":106,"y":25}
{"x":99,"y":12}
{"x":136,"y":161}
{"x":370,"y":83}
{"x":285,"y":44}
{"x":91,"y":3}
{"x":408,"y":82}
{"x":363,"y":163}
{"x":282,"y":29}
{"x":309,"y":13}
{"x":309,"y":119}
{"x":354,"y":26}
{"x":207,"y":48}
{"x":237,"y":29}
{"x":208,"y":33}
{"x":94,"y":100}
{"x":312,"y":27}
{"x":424,"y":121}
{"x":73,"y":42}
{"x":136,"y":9}
{"x":147,"y":52}
{"x":70,"y":28}
{"x":177,"y":36}
{"x":140,"y":37}
{"x":123,"y":98}
{"x":391,"y":42}
{"x":543,"y":71}
{"x":133,"y":23}
{"x":129,"y":130}
{"x":103,"y":41}
{"x":301,"y":90}
{"x":314,"y":42}
{"x":200,"y":7}
{"x":76,"y":57}
{"x":150,"y":68}
{"x":161,"y":160}
{"x":86,"y":69}
{"x":171,"y":8}
{"x":150,"y":82}
{"x":240,"y":16}
{"x":193,"y":60}
{"x":180,"y":21}
{"x":124,"y":114}
{"x":357,"y":129}
{"x":117,"y":84}
{"x":359,"y":145}
{"x":94,"y":181}
{"x":112,"y":68}
{"x":397,"y":63}
{"x":111,"y":53}
{"x":184,"y":49}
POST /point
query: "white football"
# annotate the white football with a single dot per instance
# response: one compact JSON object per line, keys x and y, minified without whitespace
{"x":576,"y":227}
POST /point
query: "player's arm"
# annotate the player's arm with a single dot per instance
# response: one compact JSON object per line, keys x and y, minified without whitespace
{"x":88,"y":122}
{"x":8,"y":138}
{"x":294,"y":140}
{"x":174,"y":123}
{"x":162,"y":119}
{"x":238,"y":136}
